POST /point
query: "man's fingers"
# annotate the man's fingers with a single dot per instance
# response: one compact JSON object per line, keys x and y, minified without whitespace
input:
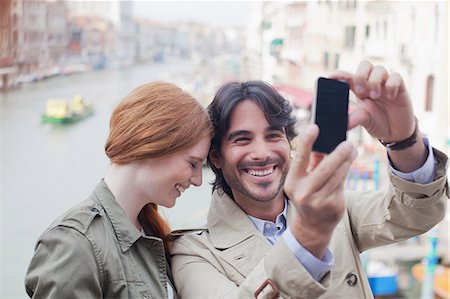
{"x":300,"y":160}
{"x":315,"y":160}
{"x":376,"y":81}
{"x":360,"y":79}
{"x":326,"y":169}
{"x":357,"y":117}
{"x":336,"y":181}
{"x":393,"y":85}
{"x":342,"y":76}
{"x":328,"y":177}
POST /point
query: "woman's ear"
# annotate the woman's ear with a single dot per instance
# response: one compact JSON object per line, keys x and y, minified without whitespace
{"x":215,"y":157}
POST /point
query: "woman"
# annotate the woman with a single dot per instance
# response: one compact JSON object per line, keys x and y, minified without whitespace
{"x":115,"y":244}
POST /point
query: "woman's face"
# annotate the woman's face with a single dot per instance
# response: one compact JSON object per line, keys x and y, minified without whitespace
{"x":164,"y":179}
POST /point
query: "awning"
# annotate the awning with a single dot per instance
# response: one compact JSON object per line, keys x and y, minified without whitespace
{"x":298,"y":97}
{"x":277,"y":42}
{"x":301,"y":98}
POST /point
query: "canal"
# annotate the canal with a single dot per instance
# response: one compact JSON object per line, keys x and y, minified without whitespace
{"x":46,"y":169}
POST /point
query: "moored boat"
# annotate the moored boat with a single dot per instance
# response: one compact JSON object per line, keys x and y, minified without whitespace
{"x":63,"y":112}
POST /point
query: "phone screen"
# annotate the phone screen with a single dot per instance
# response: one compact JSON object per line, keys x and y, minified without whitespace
{"x":330,"y":113}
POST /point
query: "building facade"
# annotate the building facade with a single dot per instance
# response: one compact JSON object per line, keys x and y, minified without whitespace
{"x":297,"y":42}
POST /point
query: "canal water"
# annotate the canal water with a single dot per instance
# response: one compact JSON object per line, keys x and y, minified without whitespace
{"x":46,"y":169}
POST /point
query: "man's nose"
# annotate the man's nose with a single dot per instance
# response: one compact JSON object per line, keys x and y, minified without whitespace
{"x":260,"y":150}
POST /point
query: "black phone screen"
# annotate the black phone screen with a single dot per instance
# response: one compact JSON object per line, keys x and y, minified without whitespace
{"x":330,"y":113}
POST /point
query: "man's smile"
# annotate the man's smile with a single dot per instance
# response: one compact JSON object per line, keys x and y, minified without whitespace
{"x":260,"y":172}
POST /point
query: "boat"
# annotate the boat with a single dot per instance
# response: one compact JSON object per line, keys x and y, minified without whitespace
{"x":62,"y":112}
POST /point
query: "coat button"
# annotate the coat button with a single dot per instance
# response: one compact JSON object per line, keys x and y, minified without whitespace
{"x":95,"y":210}
{"x":351,"y":279}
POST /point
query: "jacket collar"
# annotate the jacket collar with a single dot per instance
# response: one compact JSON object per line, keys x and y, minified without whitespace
{"x":125,"y":231}
{"x":291,"y":212}
{"x":228,"y":224}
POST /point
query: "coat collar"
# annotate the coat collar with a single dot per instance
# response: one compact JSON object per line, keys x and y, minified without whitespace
{"x":291,"y":213}
{"x":125,"y":231}
{"x":229,"y":225}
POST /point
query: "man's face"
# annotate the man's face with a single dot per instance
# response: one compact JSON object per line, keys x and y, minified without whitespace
{"x":254,"y":157}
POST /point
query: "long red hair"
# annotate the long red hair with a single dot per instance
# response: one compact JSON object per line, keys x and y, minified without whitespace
{"x":156,"y":119}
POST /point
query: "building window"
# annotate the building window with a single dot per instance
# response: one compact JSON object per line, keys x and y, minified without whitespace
{"x":429,"y":93}
{"x":402,"y":50}
{"x":326,"y":59}
{"x":350,"y":36}
{"x":275,"y":47}
{"x":265,"y":25}
{"x":367,"y":31}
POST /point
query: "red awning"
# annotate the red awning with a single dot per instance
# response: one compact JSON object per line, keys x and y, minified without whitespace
{"x":298,"y":97}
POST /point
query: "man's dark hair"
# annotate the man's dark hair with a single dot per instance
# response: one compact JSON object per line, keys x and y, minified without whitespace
{"x":277,"y":111}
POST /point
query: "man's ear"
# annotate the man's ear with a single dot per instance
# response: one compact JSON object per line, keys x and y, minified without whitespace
{"x":215,"y":157}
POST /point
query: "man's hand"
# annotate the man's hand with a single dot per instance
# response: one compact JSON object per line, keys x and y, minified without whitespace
{"x":385,"y":108}
{"x":385,"y":111}
{"x":318,"y":193}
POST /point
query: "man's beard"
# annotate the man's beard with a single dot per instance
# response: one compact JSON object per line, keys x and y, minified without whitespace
{"x":237,"y":185}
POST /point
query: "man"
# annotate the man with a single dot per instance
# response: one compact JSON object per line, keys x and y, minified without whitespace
{"x":271,"y":233}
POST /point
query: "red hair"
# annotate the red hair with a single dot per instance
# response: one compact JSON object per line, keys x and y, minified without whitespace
{"x":156,"y":119}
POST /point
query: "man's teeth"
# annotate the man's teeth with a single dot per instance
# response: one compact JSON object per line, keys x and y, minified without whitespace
{"x":261,"y":172}
{"x":179,"y":188}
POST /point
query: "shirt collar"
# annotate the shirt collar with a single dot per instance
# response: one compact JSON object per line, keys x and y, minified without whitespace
{"x":280,"y":220}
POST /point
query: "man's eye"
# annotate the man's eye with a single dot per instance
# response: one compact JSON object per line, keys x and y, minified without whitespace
{"x":193,"y":164}
{"x":274,"y":136}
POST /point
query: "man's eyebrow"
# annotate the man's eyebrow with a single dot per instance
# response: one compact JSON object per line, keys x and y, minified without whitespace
{"x":273,"y":128}
{"x":234,"y":134}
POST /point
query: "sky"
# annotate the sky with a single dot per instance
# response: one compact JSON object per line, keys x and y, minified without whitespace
{"x":229,"y":13}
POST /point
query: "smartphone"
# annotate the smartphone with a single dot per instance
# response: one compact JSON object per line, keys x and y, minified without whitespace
{"x":330,"y":113}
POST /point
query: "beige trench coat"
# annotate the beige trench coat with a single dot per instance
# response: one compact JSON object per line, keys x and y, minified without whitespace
{"x":230,"y":258}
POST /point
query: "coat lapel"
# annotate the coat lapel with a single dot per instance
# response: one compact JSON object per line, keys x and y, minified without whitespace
{"x":234,"y":234}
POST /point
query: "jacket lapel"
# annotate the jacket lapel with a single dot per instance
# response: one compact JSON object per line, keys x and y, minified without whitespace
{"x":232,"y":233}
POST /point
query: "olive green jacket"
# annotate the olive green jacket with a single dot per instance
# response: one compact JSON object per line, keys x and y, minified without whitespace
{"x":230,"y":258}
{"x":94,"y":251}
